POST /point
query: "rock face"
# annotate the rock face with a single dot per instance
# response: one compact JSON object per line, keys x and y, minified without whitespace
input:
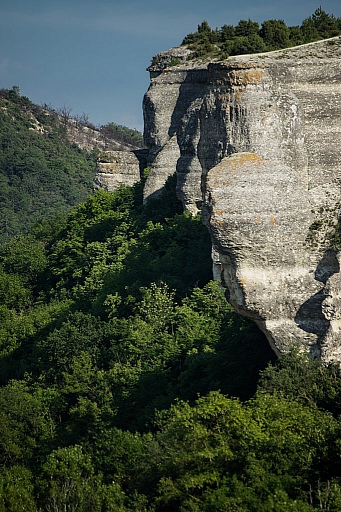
{"x":172,"y":109}
{"x":115,"y":168}
{"x":256,"y":139}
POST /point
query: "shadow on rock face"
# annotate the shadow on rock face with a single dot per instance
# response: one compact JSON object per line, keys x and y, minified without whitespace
{"x":328,"y":266}
{"x":311,"y":316}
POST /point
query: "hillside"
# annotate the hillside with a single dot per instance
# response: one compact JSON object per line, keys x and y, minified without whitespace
{"x":119,"y":361}
{"x":128,"y":383}
{"x":47,"y":160}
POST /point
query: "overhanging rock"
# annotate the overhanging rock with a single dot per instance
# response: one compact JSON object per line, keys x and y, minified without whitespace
{"x":256,"y":139}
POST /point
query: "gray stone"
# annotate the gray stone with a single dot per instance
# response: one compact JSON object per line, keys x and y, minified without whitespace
{"x":256,"y":138}
{"x":116,"y":168}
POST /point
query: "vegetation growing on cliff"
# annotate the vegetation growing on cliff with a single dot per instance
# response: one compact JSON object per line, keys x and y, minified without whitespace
{"x":248,"y":37}
{"x":122,"y":134}
{"x":127,"y":383}
{"x":119,"y":361}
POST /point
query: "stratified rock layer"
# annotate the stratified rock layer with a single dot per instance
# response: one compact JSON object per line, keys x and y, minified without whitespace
{"x":116,"y":168}
{"x":258,"y":138}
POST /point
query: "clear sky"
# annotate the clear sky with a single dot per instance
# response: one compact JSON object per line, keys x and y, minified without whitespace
{"x":91,"y":55}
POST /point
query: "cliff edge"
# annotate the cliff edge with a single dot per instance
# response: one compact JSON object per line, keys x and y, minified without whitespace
{"x":255,"y":140}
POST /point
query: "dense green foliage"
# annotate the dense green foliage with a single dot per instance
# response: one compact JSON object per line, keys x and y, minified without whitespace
{"x":128,"y":383}
{"x":249,"y":37}
{"x":40,"y":172}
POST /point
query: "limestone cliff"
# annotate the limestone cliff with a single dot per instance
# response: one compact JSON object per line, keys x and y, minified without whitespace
{"x":256,"y":139}
{"x":115,"y":168}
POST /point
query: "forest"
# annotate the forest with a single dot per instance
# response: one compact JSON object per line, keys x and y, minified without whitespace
{"x":127,"y":381}
{"x":41,"y":171}
{"x":129,"y":384}
{"x":249,"y":37}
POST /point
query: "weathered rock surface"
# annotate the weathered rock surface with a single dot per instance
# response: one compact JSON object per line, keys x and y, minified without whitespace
{"x":115,"y":168}
{"x":171,"y":110}
{"x":91,"y":138}
{"x":257,"y":138}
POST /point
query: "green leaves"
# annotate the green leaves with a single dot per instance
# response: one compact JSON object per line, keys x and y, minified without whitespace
{"x":122,"y":133}
{"x":310,"y":381}
{"x":14,"y":293}
{"x":248,"y":37}
{"x":24,"y":256}
{"x":70,"y":483}
{"x":17,"y":490}
{"x":240,"y":455}
{"x":157,"y":306}
{"x":118,"y":360}
{"x":40,"y":172}
{"x":24,"y":421}
{"x":275,"y":34}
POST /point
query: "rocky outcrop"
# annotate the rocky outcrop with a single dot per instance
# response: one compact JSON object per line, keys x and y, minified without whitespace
{"x":116,"y":168}
{"x":171,"y":114}
{"x":256,"y":138}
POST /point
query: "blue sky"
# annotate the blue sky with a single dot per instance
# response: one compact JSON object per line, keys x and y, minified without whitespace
{"x":91,"y":55}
